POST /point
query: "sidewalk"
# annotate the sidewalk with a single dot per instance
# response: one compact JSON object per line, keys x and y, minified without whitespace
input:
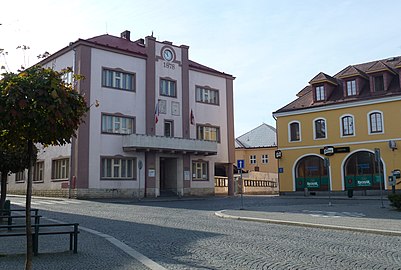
{"x":364,"y":214}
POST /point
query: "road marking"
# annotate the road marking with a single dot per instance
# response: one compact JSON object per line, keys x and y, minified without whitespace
{"x":124,"y":247}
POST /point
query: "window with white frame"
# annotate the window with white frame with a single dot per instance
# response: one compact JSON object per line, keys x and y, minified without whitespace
{"x":200,"y":170}
{"x":168,"y":128}
{"x":265,"y":159}
{"x":206,"y":95}
{"x":320,"y":94}
{"x":168,"y":88}
{"x":117,"y":124}
{"x":351,"y":88}
{"x":376,"y":122}
{"x":38,"y":171}
{"x":118,"y":79}
{"x":60,"y":168}
{"x":347,"y":125}
{"x":252,"y":159}
{"x":294,"y":132}
{"x":20,"y":176}
{"x":118,"y":168}
{"x":208,"y":133}
{"x":320,"y":129}
{"x":378,"y":83}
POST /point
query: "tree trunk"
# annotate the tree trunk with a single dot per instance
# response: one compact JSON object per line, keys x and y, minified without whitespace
{"x":29,"y":242}
{"x":3,"y":191}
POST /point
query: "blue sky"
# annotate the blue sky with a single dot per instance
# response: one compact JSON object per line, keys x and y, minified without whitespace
{"x":273,"y":48}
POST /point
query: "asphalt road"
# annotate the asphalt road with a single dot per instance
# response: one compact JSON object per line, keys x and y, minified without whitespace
{"x":186,"y":234}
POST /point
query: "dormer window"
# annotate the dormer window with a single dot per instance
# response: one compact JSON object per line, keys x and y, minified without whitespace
{"x":379,"y":83}
{"x":351,"y":88}
{"x":320,"y":94}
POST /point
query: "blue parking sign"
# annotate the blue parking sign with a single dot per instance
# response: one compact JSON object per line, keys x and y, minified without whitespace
{"x":240,"y":163}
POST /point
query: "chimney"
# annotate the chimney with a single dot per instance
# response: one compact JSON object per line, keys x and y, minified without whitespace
{"x":126,"y":35}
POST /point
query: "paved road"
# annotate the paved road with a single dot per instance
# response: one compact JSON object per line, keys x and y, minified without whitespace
{"x":186,"y":234}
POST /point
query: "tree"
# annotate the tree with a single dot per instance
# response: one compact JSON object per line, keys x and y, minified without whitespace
{"x":13,"y":159}
{"x":38,"y":106}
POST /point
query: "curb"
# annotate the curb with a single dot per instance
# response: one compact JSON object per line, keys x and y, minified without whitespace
{"x":221,"y":214}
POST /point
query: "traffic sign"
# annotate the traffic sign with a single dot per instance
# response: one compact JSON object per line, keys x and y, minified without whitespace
{"x":240,"y":163}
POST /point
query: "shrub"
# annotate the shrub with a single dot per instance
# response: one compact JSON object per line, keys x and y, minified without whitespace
{"x":395,"y":200}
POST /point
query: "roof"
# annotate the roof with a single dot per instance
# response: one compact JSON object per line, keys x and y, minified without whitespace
{"x":323,"y":77}
{"x":305,"y":96}
{"x":261,"y":136}
{"x":138,"y":47}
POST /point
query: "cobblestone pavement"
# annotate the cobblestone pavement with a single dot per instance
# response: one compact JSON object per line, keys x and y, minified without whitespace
{"x":186,"y":234}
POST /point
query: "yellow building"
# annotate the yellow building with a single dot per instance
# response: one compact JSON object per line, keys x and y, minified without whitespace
{"x":327,"y":137}
{"x":257,"y":148}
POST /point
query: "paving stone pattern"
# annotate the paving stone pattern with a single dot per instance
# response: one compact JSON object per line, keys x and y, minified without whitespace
{"x":186,"y":234}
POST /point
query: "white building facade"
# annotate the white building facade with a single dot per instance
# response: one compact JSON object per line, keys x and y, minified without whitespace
{"x":164,"y":123}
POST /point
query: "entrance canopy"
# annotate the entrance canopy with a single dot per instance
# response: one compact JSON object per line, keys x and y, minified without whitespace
{"x":138,"y":142}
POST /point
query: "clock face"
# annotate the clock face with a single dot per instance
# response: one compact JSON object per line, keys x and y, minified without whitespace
{"x":168,"y":55}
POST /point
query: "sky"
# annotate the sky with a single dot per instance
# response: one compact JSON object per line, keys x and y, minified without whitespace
{"x":272,"y":48}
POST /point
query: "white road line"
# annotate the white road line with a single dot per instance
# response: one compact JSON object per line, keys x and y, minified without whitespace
{"x":124,"y":247}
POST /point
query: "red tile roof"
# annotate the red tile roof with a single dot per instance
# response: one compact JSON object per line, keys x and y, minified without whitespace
{"x":137,"y":47}
{"x":305,"y":96}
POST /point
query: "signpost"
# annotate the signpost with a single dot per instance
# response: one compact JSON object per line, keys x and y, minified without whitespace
{"x":378,"y":160}
{"x":240,"y":166}
{"x":140,"y":165}
{"x":327,"y":165}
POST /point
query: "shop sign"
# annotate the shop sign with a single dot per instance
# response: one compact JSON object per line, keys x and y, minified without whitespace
{"x":364,"y":183}
{"x":314,"y":184}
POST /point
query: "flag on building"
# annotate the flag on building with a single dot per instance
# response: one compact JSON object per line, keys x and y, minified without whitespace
{"x":157,"y":112}
{"x":192,"y":118}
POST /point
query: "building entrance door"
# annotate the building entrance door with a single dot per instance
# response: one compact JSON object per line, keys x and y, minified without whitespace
{"x":168,"y":176}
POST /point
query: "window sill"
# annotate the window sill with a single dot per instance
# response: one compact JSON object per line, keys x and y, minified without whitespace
{"x":59,"y":180}
{"x":117,"y":179}
{"x":38,"y":182}
{"x":20,"y":182}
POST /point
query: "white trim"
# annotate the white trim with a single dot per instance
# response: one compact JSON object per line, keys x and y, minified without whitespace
{"x":369,"y":127}
{"x":350,"y":154}
{"x":314,"y":128}
{"x":338,"y":106}
{"x":339,"y":144}
{"x":341,"y":126}
{"x":289,"y":131}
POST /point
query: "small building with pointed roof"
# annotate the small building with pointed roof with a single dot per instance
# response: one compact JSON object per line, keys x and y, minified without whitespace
{"x":256,"y":148}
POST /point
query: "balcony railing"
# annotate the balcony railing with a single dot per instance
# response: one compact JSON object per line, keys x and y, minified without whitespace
{"x":138,"y":142}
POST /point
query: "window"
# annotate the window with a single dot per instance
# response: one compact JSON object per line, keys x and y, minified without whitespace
{"x":117,"y":124}
{"x":118,"y":79}
{"x":265,"y":159}
{"x":38,"y":170}
{"x":375,"y":122}
{"x":252,"y":159}
{"x":320,"y":95}
{"x":379,"y":83}
{"x":320,"y":129}
{"x":205,"y":95}
{"x":200,"y":170}
{"x":208,"y":133}
{"x":294,"y":132}
{"x":351,"y":88}
{"x":168,"y":88}
{"x":118,"y":168}
{"x":20,"y":176}
{"x":347,"y":125}
{"x":168,"y":128}
{"x":61,"y":168}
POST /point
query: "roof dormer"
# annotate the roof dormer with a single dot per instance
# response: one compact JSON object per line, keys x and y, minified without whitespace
{"x":398,"y":67}
{"x":354,"y":81}
{"x":323,"y":86}
{"x":380,"y":77}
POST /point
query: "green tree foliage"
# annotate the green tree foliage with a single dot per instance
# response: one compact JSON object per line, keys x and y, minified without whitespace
{"x":38,"y":106}
{"x":13,"y":159}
